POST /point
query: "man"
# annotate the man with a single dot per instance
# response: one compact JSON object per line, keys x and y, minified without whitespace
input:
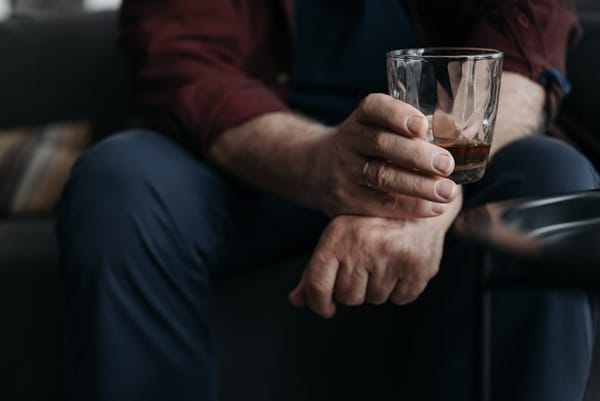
{"x":144,"y":222}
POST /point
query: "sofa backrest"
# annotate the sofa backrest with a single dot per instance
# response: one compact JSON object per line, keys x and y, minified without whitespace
{"x":591,"y":8}
{"x":63,"y":68}
{"x":71,"y":68}
{"x":578,"y":117}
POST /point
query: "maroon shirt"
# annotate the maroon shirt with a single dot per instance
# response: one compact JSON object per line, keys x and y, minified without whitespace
{"x":205,"y":66}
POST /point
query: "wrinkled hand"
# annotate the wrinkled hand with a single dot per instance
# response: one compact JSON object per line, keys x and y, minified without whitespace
{"x":375,"y":164}
{"x":371,"y":260}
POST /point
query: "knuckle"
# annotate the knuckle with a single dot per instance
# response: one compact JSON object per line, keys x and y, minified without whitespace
{"x":337,"y":226}
{"x":406,"y":206}
{"x":420,"y":157}
{"x":342,"y":139}
{"x":388,"y":115}
{"x":384,"y":176}
{"x":416,"y":186}
{"x":424,"y":187}
{"x":366,"y":106}
{"x":390,"y":247}
{"x":369,"y":102}
{"x":413,"y":206}
{"x":380,"y":142}
{"x":372,"y":105}
{"x":346,"y":295}
{"x":390,"y":203}
{"x":338,"y":197}
{"x":320,"y":258}
{"x":421,"y":208}
{"x":317,"y":288}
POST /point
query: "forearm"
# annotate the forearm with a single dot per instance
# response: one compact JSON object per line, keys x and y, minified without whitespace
{"x":520,"y":110}
{"x":372,"y":164}
{"x":275,"y":152}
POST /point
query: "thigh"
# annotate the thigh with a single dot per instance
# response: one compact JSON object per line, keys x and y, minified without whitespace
{"x":143,"y":182}
{"x":534,"y":166}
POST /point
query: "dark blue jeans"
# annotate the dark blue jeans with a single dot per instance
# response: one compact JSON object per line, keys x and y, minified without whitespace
{"x":144,"y":224}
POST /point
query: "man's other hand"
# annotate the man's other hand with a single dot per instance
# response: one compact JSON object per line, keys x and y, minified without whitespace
{"x":370,"y":260}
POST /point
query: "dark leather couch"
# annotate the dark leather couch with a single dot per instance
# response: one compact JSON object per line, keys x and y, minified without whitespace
{"x":69,"y":68}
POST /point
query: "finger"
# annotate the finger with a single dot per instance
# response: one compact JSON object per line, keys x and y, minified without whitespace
{"x":395,"y":206}
{"x":319,"y":284}
{"x":407,"y":153}
{"x":385,"y":177}
{"x":391,"y":114}
{"x":297,"y":297}
{"x":351,"y":285}
{"x":380,"y":288}
{"x":407,"y":291}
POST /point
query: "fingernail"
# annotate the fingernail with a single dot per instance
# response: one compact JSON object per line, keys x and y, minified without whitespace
{"x":416,"y":125}
{"x":443,"y":163}
{"x":445,"y":189}
{"x":438,"y":208}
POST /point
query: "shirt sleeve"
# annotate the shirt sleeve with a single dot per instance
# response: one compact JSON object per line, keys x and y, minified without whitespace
{"x":535,"y":36}
{"x":190,"y":62}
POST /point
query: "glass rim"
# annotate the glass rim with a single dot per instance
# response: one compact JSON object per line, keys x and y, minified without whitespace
{"x":445,"y":53}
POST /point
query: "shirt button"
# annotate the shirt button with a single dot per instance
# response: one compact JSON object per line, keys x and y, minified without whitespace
{"x":523,"y":20}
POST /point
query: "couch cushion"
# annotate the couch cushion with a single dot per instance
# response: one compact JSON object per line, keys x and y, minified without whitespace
{"x":34,"y":165}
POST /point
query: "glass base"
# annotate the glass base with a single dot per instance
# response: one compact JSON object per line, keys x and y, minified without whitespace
{"x":467,"y":175}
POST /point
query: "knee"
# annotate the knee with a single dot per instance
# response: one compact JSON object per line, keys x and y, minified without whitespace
{"x":115,"y":168}
{"x":540,"y":165}
{"x":114,"y":188}
{"x":103,"y":188}
{"x":139,"y":193}
{"x":121,"y":223}
{"x":129,"y":171}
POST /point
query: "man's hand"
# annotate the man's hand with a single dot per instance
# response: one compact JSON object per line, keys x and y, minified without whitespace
{"x":373,"y":164}
{"x":372,"y":260}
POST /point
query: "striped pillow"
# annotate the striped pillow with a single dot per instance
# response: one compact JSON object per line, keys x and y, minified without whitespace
{"x":34,"y":164}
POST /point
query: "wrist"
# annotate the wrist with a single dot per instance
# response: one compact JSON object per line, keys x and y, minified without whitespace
{"x":316,"y":166}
